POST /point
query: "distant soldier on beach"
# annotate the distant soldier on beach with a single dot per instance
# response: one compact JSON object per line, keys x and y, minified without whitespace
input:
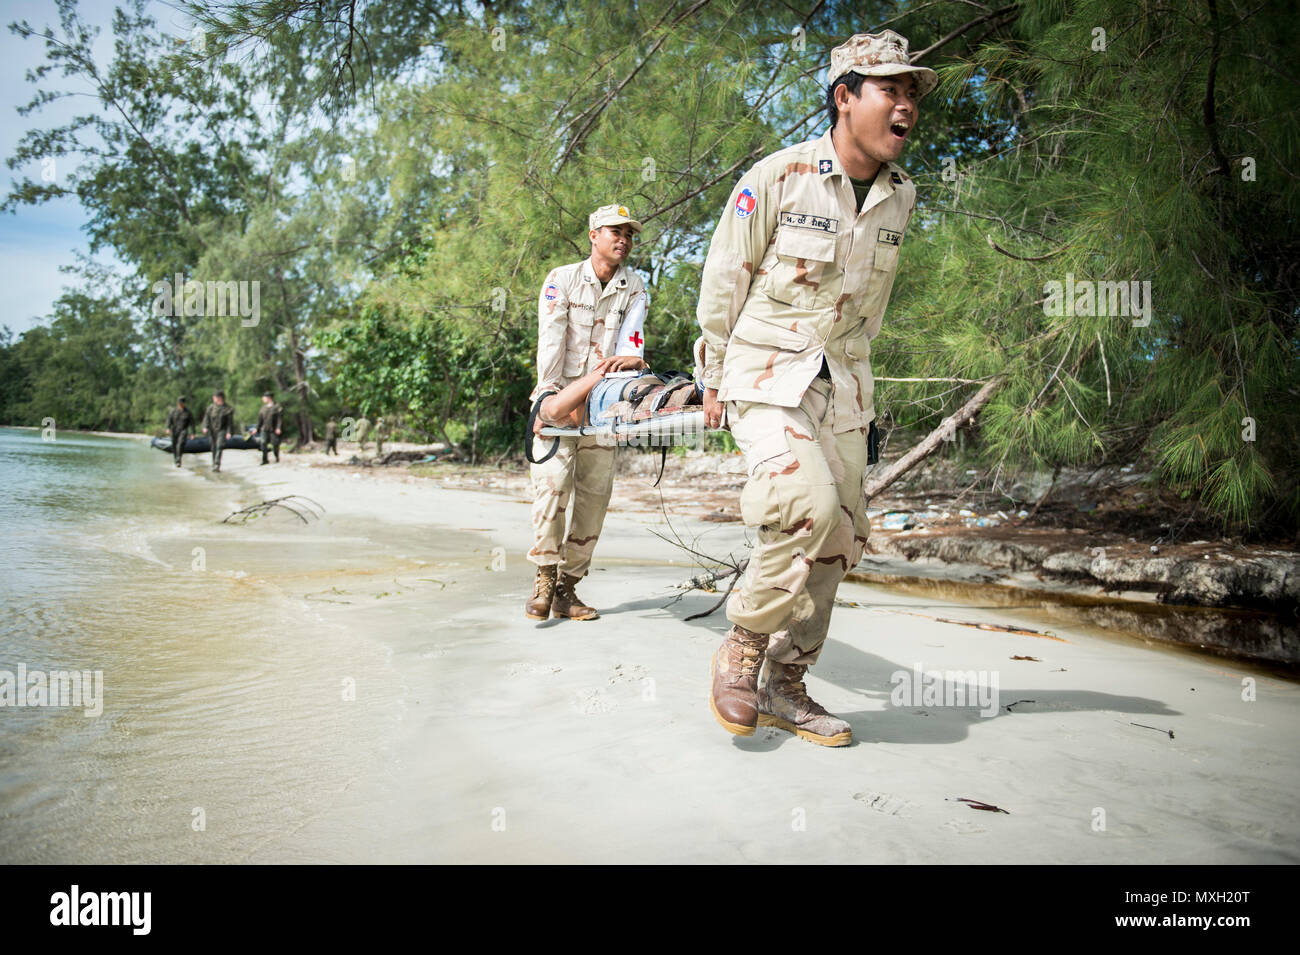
{"x":179,"y":424}
{"x":588,"y":311}
{"x":380,"y":431}
{"x":218,"y":422}
{"x":362,"y":429}
{"x":793,"y":290}
{"x":332,"y":436}
{"x":269,"y":418}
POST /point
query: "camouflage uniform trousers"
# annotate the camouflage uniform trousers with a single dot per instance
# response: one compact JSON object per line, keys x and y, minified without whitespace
{"x":218,"y":443}
{"x":582,"y":470}
{"x":268,"y":441}
{"x":178,"y":445}
{"x":804,"y":499}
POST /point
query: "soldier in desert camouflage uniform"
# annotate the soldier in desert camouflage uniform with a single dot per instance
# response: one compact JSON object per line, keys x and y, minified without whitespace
{"x":794,"y":289}
{"x":587,"y":311}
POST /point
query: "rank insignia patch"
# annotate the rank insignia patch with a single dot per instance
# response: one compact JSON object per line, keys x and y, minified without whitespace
{"x":895,"y":178}
{"x":745,"y":203}
{"x":824,"y":166}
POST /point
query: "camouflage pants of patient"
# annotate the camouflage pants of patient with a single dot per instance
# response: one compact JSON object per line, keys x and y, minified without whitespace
{"x":804,"y":500}
{"x":575,"y":484}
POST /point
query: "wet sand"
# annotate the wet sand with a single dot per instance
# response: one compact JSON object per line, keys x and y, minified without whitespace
{"x":511,"y":740}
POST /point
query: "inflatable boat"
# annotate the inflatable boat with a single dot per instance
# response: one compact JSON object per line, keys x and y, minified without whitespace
{"x":202,"y":444}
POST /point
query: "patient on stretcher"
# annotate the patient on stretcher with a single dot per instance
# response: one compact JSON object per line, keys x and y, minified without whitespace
{"x":618,"y":390}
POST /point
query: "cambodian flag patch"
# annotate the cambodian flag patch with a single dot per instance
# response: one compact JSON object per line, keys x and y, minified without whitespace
{"x":745,"y":203}
{"x":551,"y":292}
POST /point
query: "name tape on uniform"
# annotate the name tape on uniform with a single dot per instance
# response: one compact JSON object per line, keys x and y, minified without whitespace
{"x":889,"y":237}
{"x":805,"y":220}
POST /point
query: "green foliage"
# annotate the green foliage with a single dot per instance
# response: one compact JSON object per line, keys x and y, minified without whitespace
{"x":1111,"y":172}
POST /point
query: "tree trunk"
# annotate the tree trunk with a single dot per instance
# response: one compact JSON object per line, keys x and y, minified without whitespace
{"x":306,"y":433}
{"x":300,"y":386}
{"x":946,"y":430}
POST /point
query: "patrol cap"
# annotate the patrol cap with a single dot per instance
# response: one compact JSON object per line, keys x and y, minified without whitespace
{"x":879,"y":54}
{"x":612,"y":215}
{"x":182,"y":400}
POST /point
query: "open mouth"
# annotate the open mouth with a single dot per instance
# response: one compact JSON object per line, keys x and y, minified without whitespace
{"x":899,"y":129}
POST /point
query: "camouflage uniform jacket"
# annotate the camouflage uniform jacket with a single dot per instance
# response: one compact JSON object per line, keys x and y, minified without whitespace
{"x":179,"y":419}
{"x":795,"y":273}
{"x":219,"y":419}
{"x":578,"y":322}
{"x":269,"y":418}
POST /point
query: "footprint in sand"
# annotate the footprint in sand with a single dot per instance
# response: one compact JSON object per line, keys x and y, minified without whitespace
{"x":520,"y":669}
{"x":962,"y":827}
{"x":635,"y":672}
{"x":884,"y":803}
{"x":591,"y":702}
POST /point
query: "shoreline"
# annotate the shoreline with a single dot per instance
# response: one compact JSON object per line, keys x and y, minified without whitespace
{"x":1194,"y":573}
{"x":1155,"y":598}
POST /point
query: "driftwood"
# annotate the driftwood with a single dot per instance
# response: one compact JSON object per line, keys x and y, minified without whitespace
{"x":932,"y":442}
{"x":301,"y":507}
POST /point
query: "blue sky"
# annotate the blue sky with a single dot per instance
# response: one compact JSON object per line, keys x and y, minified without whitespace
{"x":36,"y":240}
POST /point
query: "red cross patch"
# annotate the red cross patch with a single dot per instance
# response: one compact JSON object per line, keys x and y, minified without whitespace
{"x":636,"y":339}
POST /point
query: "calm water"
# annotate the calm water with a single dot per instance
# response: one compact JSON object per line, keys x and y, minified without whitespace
{"x":223,"y":724}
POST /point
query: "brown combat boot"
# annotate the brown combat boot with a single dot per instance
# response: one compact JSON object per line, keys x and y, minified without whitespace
{"x":567,"y":603}
{"x":733,"y":694}
{"x":783,"y":702}
{"x":538,"y":606}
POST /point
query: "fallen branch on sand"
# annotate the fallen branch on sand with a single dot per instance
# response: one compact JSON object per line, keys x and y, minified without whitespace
{"x":246,"y":514}
{"x":715,"y":569}
{"x":986,"y":806}
{"x":1156,"y":728}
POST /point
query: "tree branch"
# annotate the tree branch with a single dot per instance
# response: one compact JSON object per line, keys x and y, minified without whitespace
{"x":946,"y":430}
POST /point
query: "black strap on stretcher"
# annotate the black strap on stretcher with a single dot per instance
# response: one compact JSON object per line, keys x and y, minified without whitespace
{"x":529,"y":437}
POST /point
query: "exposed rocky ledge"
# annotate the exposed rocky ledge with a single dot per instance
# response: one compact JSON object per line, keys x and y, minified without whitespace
{"x":1268,"y":581}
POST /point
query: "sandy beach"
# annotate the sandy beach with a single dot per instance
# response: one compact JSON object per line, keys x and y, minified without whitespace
{"x":508,"y":740}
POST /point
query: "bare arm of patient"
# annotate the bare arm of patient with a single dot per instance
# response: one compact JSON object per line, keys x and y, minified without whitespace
{"x":566,"y":408}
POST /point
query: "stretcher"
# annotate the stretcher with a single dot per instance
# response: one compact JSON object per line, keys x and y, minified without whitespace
{"x":686,"y":424}
{"x":630,"y":408}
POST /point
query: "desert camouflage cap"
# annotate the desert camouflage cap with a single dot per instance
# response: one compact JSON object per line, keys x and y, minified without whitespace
{"x":612,"y":215}
{"x":879,"y":54}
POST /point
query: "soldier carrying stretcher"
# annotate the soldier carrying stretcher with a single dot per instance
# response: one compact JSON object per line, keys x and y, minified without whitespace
{"x":588,"y":312}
